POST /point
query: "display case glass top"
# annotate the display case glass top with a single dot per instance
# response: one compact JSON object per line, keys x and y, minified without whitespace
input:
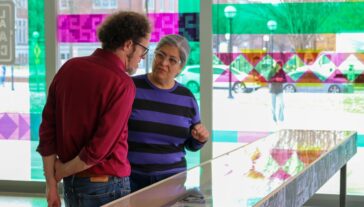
{"x":287,"y":166}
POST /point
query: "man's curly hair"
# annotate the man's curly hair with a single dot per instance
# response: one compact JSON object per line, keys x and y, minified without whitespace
{"x":121,"y":27}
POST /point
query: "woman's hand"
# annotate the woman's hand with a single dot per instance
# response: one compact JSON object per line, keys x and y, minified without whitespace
{"x":200,"y":133}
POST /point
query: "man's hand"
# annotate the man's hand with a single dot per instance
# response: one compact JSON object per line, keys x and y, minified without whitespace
{"x":58,"y":170}
{"x":71,"y":167}
{"x":200,"y":133}
{"x":53,"y":198}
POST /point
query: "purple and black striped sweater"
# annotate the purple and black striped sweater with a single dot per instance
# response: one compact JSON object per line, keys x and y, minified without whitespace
{"x":160,"y":128}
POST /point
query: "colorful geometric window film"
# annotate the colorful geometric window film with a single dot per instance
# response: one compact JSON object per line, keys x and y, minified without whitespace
{"x":296,"y":21}
{"x":82,"y":28}
{"x":78,"y":28}
{"x":163,"y":23}
{"x":340,"y":64}
{"x":14,"y":126}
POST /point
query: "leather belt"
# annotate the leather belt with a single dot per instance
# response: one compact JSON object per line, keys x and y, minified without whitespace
{"x":93,"y":177}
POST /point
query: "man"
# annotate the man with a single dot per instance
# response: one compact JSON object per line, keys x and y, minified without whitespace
{"x":277,"y":78}
{"x":83,"y":134}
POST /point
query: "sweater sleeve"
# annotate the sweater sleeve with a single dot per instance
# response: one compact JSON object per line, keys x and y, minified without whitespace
{"x":47,"y":129}
{"x":112,"y":124}
{"x":191,"y":143}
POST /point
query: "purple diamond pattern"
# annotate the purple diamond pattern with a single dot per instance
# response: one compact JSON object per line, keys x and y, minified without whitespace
{"x":14,"y":126}
{"x":8,"y":126}
{"x":23,"y":127}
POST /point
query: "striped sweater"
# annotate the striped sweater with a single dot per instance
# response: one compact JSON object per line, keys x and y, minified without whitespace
{"x":160,"y":128}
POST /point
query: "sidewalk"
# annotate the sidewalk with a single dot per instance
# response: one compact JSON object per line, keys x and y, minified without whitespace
{"x":252,"y":112}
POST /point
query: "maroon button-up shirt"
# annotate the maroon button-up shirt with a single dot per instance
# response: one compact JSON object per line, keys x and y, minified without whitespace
{"x":86,"y":114}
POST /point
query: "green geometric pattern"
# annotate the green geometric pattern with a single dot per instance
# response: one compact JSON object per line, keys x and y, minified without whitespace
{"x":189,"y":6}
{"x":292,"y":18}
{"x":36,"y":162}
{"x":37,"y":81}
{"x":242,"y":64}
{"x":194,"y":58}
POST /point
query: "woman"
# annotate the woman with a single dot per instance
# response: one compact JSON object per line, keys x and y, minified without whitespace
{"x":165,"y":119}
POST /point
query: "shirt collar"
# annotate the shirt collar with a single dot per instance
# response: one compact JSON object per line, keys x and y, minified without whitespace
{"x":110,"y":57}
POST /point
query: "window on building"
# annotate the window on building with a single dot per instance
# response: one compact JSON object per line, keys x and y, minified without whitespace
{"x":151,"y":5}
{"x":21,"y":33}
{"x":64,"y":4}
{"x":104,"y":4}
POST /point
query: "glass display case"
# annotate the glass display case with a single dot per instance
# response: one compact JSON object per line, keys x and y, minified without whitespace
{"x":288,"y":167}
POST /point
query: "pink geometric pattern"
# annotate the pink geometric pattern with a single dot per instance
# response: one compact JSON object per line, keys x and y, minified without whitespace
{"x":227,"y":58}
{"x":75,"y":28}
{"x":284,"y":57}
{"x":332,"y":79}
{"x":14,"y":126}
{"x":308,"y":58}
{"x":163,"y":24}
{"x":337,"y":58}
{"x":248,"y":137}
{"x":224,"y":77}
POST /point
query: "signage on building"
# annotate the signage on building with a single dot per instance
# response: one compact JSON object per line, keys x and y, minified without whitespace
{"x":7,"y":42}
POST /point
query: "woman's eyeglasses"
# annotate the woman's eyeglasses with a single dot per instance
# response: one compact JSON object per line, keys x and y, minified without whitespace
{"x":161,"y":56}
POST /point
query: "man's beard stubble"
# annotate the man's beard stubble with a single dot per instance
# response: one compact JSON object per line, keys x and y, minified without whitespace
{"x":129,"y":69}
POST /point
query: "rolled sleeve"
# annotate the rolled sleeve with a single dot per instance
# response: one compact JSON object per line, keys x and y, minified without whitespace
{"x":112,"y":128}
{"x":47,"y":129}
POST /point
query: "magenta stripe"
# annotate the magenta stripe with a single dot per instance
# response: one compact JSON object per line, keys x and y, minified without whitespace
{"x":76,"y":28}
{"x":163,"y":24}
{"x":248,"y":137}
{"x":81,"y":28}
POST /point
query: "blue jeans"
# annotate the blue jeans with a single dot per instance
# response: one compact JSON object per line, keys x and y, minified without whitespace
{"x":81,"y":192}
{"x":278,"y":114}
{"x":139,"y":181}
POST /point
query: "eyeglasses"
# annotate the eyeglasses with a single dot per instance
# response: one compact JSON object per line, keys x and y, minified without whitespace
{"x":160,"y":56}
{"x":145,"y":48}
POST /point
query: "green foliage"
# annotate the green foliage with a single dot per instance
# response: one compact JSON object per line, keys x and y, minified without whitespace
{"x":292,"y":18}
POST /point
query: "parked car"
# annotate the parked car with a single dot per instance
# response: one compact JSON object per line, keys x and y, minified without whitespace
{"x":313,"y":82}
{"x":357,"y":82}
{"x":190,"y":77}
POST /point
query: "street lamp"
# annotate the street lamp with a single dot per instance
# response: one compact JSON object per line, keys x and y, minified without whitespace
{"x":272,"y":26}
{"x":265,"y":40}
{"x":230,"y":13}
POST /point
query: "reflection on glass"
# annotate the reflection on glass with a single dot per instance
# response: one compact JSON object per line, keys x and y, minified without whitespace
{"x":281,"y":156}
{"x":252,"y":174}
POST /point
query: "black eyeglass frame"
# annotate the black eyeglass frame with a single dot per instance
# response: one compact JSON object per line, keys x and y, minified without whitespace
{"x":146,"y":50}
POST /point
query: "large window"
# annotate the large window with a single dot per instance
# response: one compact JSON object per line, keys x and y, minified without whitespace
{"x":22,"y":83}
{"x":319,"y":50}
{"x":320,"y":54}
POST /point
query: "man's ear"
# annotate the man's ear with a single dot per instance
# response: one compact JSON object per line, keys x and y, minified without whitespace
{"x":128,"y":45}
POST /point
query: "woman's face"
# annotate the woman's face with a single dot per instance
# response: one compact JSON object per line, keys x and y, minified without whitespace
{"x":166,"y":63}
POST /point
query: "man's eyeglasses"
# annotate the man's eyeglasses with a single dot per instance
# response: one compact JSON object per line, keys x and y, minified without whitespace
{"x":145,"y":48}
{"x":160,"y":56}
